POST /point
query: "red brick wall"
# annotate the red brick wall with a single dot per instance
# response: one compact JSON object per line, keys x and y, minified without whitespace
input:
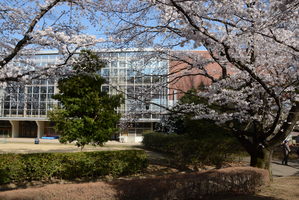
{"x":192,"y":80}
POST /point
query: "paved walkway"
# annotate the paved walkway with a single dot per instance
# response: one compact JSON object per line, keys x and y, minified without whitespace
{"x":279,"y":170}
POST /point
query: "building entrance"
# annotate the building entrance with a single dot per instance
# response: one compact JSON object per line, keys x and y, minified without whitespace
{"x":28,"y":129}
{"x":5,"y":129}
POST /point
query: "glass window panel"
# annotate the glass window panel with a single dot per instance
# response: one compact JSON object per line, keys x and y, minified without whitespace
{"x":105,"y":55}
{"x":43,"y":97}
{"x":43,"y":89}
{"x":147,"y":115}
{"x":21,"y":97}
{"x":10,"y":89}
{"x":35,"y":105}
{"x":138,"y":80}
{"x":21,"y":105}
{"x":13,"y":104}
{"x":52,"y":57}
{"x":105,"y":88}
{"x":114,"y":80}
{"x":35,"y":97}
{"x":156,"y":79}
{"x":7,"y":98}
{"x":115,"y":72}
{"x":122,"y":72}
{"x":28,"y":112}
{"x":51,"y":81}
{"x":6,"y":105}
{"x":34,"y":112}
{"x":122,"y":64}
{"x":105,"y":72}
{"x":21,"y":89}
{"x":122,"y":55}
{"x":42,"y":112}
{"x":29,"y":89}
{"x":131,"y":79}
{"x":113,"y":55}
{"x":155,"y":96}
{"x":50,"y":96}
{"x":114,"y":64}
{"x":51,"y":89}
{"x":147,"y":79}
{"x":122,"y":79}
{"x":44,"y":57}
{"x":6,"y":112}
{"x":42,"y":105}
{"x":29,"y":105}
{"x":35,"y":82}
{"x":20,"y":112}
{"x":130,"y":73}
{"x":36,"y":89}
{"x":147,"y":71}
{"x":155,"y":116}
{"x":29,"y":97}
{"x":43,"y":81}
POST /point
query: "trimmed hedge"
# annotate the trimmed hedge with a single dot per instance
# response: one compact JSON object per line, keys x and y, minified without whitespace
{"x":185,"y":150}
{"x":44,"y":166}
{"x":199,"y":185}
{"x":215,"y":184}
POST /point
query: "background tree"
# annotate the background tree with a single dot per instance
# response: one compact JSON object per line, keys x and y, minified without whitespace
{"x":182,"y":122}
{"x":29,"y":26}
{"x":87,"y":114}
{"x":255,"y":45}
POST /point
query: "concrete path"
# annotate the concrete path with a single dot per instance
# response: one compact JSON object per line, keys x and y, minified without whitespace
{"x":279,"y":170}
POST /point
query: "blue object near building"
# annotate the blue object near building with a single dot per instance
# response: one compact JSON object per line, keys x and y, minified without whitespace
{"x":36,"y":141}
{"x":50,"y":137}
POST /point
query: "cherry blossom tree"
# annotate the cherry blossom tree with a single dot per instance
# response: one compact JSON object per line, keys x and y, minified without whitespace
{"x":254,"y":44}
{"x":30,"y":26}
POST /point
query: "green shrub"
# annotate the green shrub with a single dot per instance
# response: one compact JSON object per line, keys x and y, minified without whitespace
{"x":187,"y":150}
{"x":44,"y":166}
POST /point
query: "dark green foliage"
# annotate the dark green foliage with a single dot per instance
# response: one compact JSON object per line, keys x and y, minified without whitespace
{"x":184,"y":123}
{"x":196,"y":141}
{"x":186,"y":150}
{"x":88,"y":114}
{"x":44,"y":166}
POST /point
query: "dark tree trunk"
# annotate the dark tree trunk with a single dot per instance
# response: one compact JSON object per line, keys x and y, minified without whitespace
{"x":262,"y":158}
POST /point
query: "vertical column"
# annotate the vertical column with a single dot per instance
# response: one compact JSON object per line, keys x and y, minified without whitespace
{"x":15,"y":128}
{"x":40,"y":128}
{"x":25,"y":100}
{"x":2,"y":102}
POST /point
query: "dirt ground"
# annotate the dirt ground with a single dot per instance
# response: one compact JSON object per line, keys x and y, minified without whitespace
{"x":28,"y":146}
{"x":285,"y":188}
{"x":282,"y":188}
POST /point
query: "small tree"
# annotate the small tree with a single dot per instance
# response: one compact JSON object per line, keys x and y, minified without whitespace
{"x":87,"y":114}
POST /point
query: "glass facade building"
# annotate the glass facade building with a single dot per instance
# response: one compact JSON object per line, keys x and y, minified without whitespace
{"x":137,"y":75}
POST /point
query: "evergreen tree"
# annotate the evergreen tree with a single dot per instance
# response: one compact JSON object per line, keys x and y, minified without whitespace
{"x":86,"y":115}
